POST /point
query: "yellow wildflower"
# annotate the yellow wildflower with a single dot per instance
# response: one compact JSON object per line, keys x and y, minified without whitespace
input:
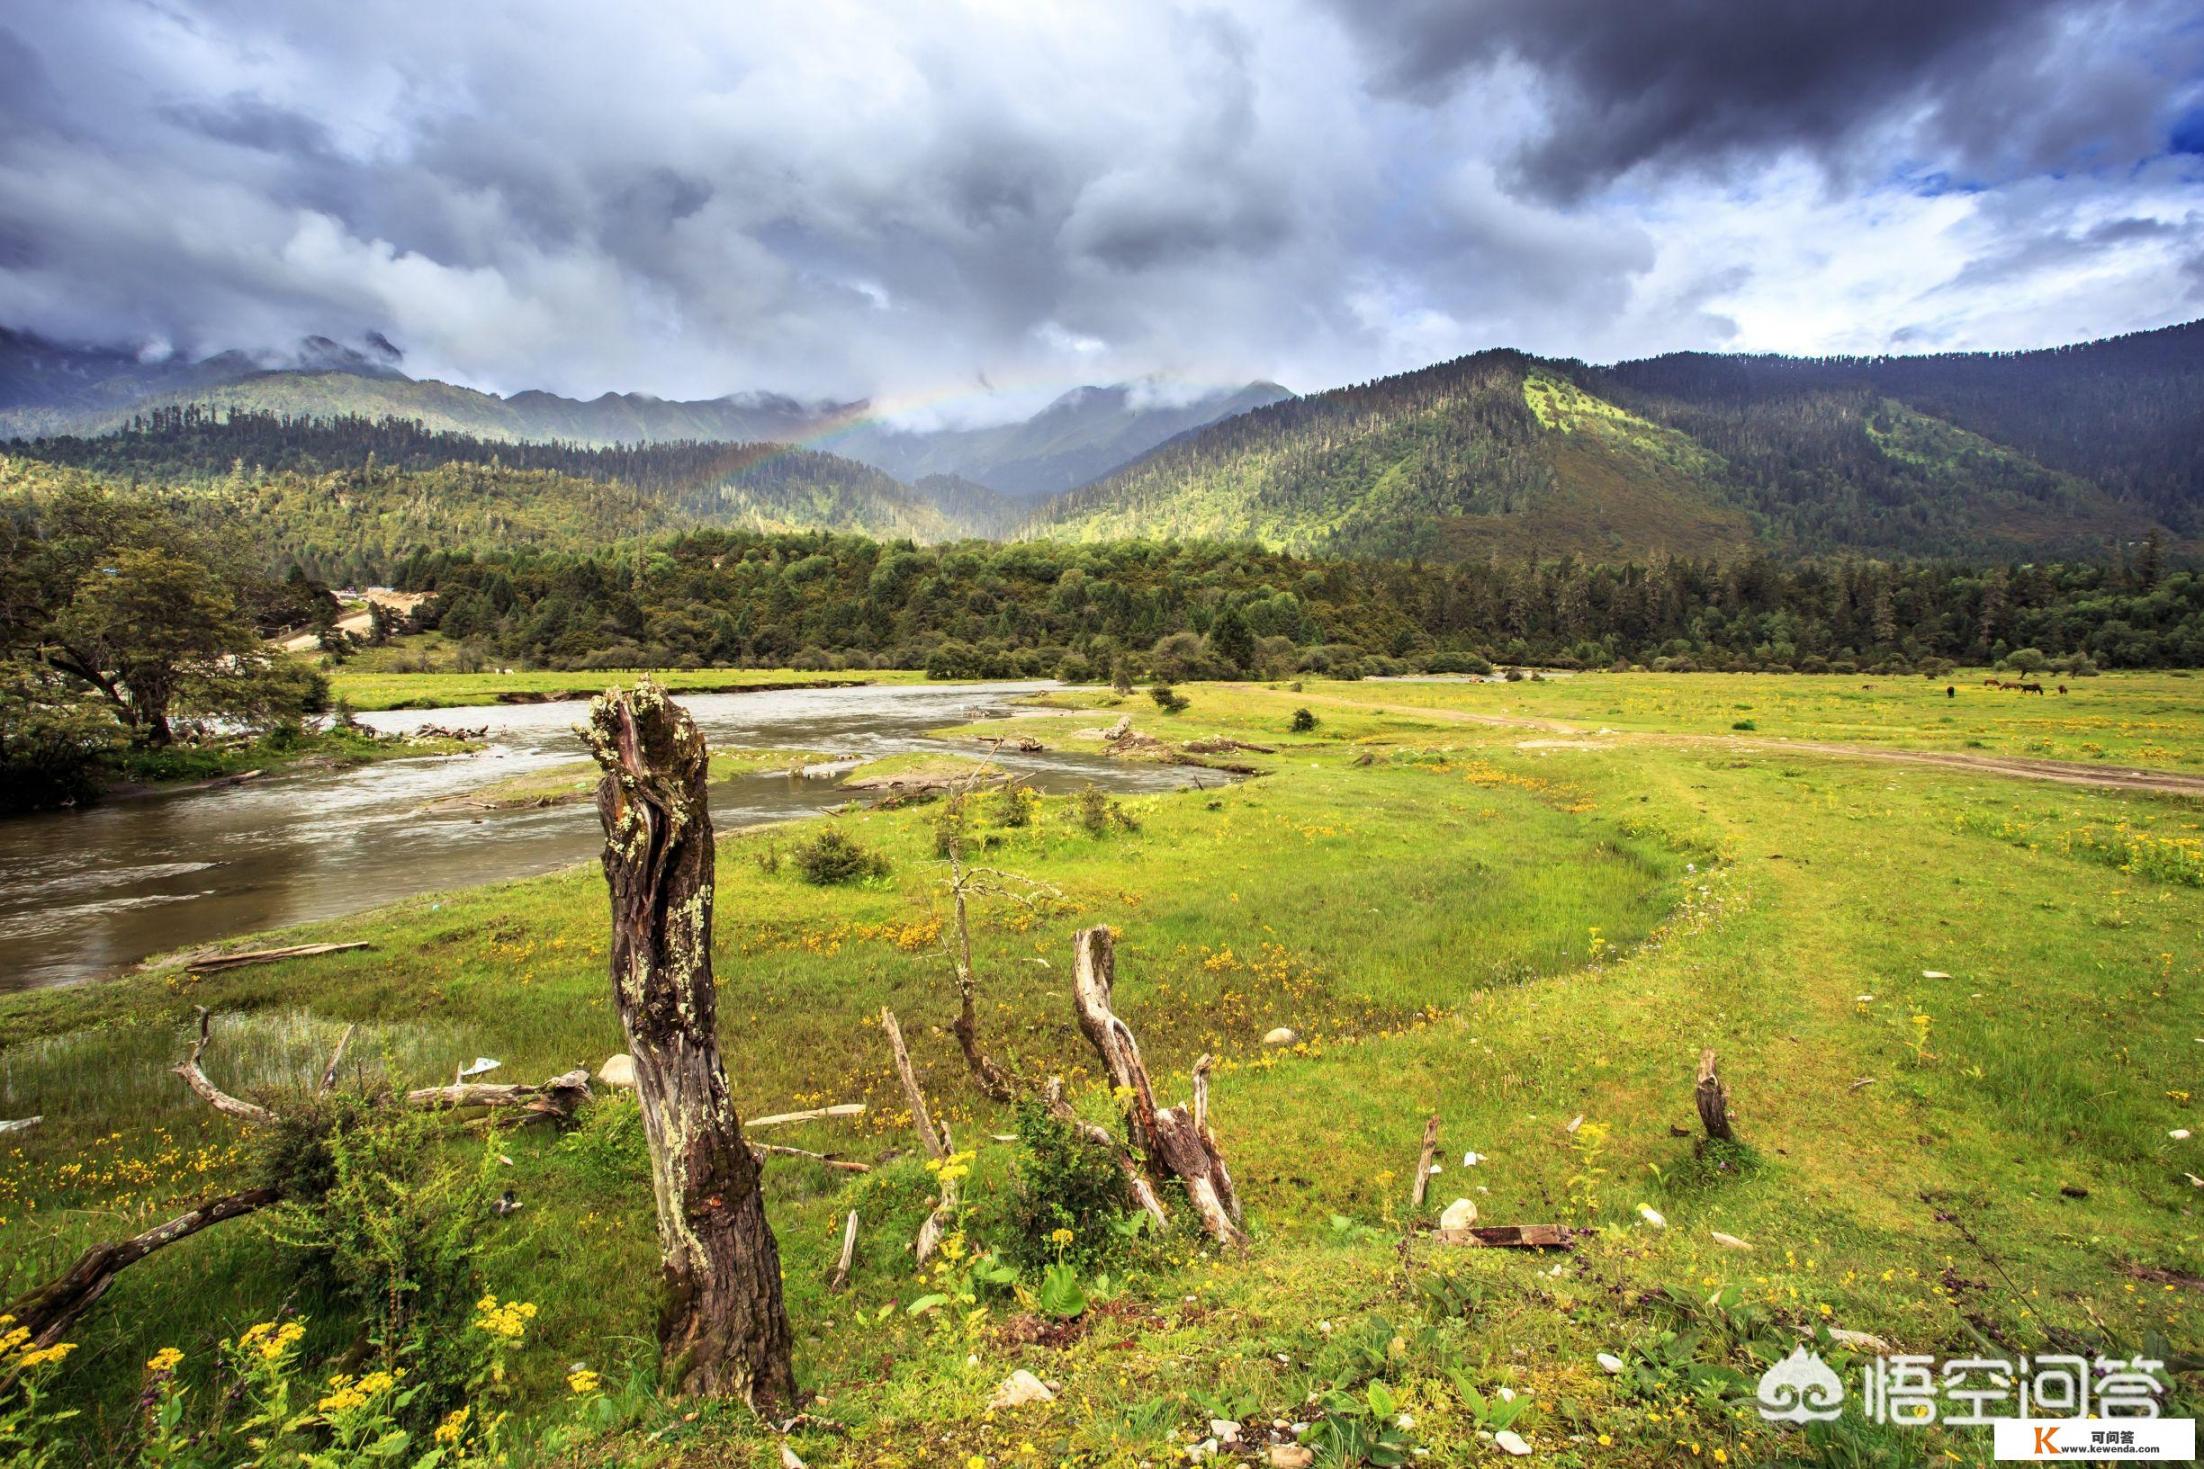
{"x":454,"y":1424}
{"x":582,"y":1382}
{"x":46,"y":1355}
{"x":164,"y":1360}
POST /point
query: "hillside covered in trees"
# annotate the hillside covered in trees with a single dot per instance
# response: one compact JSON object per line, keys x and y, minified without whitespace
{"x":349,"y":497}
{"x":2062,"y":452}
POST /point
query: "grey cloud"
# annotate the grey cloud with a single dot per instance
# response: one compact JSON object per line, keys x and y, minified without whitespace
{"x":1986,"y":86}
{"x":905,"y":200}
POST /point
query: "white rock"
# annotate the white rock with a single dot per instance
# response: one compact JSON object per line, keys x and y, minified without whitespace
{"x":618,"y":1070}
{"x":789,"y":1459}
{"x":1652,"y":1216}
{"x":1018,"y":1389}
{"x":1284,"y":1035}
{"x":1510,"y":1440}
{"x":1460,"y":1214}
{"x":1934,"y":974}
{"x":1224,"y":1430}
{"x":1471,"y":1160}
{"x":2179,"y":1134}
{"x":1291,"y":1456}
{"x":1610,"y":1361}
{"x":1727,"y":1241}
{"x":1575,"y":1122}
{"x":481,"y":1065}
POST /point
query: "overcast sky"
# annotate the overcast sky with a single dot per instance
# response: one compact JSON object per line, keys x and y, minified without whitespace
{"x":958,"y":207}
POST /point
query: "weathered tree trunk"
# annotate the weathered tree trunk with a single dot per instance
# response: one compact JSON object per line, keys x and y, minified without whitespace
{"x":1176,"y":1140}
{"x":1713,"y":1099}
{"x":48,"y":1312}
{"x":724,"y":1328}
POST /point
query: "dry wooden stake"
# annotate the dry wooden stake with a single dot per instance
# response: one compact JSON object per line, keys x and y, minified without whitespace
{"x":840,"y":1278}
{"x":1713,"y":1098}
{"x":1423,"y":1162}
{"x":921,"y":1120}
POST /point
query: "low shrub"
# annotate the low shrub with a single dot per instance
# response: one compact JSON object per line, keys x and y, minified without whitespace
{"x":833,"y":857}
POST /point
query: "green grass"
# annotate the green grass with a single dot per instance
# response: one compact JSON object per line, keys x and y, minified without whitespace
{"x":1510,"y":935}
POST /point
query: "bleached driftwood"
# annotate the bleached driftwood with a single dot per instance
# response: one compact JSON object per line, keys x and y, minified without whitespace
{"x":214,"y":963}
{"x":921,"y":1120}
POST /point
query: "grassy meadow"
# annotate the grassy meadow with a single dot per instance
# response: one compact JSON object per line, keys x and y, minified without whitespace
{"x":1958,"y":1013}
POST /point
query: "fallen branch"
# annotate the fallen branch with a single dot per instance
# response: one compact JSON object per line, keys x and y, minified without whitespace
{"x":840,"y":1165}
{"x":48,"y":1312}
{"x":1510,"y":1236}
{"x":215,"y":962}
{"x":778,"y":1119}
{"x":1424,"y":1161}
{"x":20,"y":1124}
{"x":208,"y":1092}
{"x":1175,"y":1140}
{"x":556,"y":1098}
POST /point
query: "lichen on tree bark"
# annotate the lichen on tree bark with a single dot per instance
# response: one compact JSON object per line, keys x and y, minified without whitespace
{"x":724,"y":1328}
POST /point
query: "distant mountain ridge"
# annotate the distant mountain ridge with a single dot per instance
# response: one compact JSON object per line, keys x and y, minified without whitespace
{"x":2066,"y":451}
{"x":47,"y":389}
{"x":2071,"y":451}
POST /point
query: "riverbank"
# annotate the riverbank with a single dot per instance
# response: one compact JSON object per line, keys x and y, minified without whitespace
{"x":368,"y":690}
{"x":187,"y":766}
{"x":1955,"y":1011}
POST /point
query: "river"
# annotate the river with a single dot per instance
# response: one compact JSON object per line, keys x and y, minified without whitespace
{"x":87,"y":892}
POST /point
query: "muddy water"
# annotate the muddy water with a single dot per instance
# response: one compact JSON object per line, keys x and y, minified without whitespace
{"x":84,"y":893}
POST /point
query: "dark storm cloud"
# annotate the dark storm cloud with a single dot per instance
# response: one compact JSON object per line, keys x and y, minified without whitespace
{"x":887,"y":199}
{"x":248,"y":122}
{"x":1987,"y":86}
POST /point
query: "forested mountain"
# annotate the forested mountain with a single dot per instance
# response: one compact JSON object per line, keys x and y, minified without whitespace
{"x":348,"y":499}
{"x":2060,"y":452}
{"x":2125,"y":413}
{"x":1080,"y":437}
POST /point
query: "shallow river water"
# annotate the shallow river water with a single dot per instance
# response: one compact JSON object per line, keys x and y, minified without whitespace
{"x":84,"y":893}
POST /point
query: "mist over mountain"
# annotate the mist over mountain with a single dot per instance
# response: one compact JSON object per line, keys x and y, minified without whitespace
{"x":1078,"y":438}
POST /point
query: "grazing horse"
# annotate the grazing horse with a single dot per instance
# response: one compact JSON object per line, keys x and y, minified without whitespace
{"x":1991,"y":683}
{"x":1953,"y":693}
{"x":2030,"y":687}
{"x":2062,"y":688}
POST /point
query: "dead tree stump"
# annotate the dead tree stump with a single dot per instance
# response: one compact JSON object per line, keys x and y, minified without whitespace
{"x":724,"y":1328}
{"x":1176,"y":1140}
{"x":1713,"y":1099}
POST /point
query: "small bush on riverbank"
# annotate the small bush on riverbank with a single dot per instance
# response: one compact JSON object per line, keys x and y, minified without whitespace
{"x":832,"y":857}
